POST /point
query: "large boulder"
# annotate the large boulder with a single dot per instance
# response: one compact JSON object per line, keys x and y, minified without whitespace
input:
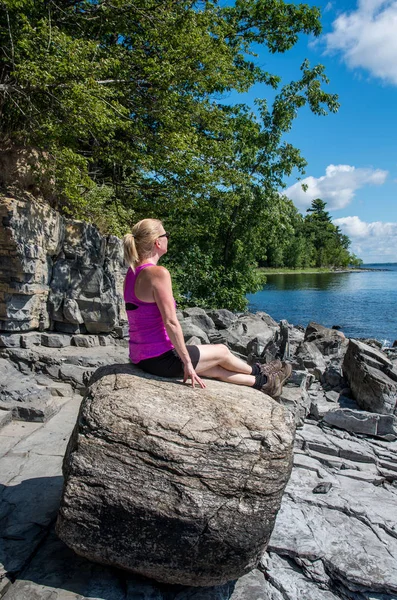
{"x":249,"y":334}
{"x":309,"y":356}
{"x":330,"y":342}
{"x":177,"y":484}
{"x":190,"y":329}
{"x":372,"y":378}
{"x":198,"y":317}
{"x":222,"y":318}
{"x":251,"y":325}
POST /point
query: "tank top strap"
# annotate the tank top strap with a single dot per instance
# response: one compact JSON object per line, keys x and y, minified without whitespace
{"x":129,"y":293}
{"x":139,"y":269}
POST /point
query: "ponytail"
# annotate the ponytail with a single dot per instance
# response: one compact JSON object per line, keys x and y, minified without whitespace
{"x":138,"y":245}
{"x":130,"y":251}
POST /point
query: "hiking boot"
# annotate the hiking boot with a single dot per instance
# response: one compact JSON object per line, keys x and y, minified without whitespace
{"x":283,"y":369}
{"x":272,"y":367}
{"x":273,"y":386}
{"x":285,"y":372}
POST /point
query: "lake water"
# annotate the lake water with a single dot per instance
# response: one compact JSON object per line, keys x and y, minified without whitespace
{"x":363,"y":304}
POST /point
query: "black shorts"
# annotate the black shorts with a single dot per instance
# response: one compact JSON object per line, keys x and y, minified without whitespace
{"x":169,"y":364}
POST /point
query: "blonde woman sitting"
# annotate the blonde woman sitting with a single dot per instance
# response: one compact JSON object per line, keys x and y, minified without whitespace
{"x":156,"y":339}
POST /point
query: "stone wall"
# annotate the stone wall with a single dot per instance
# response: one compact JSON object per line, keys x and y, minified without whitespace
{"x":57,"y":273}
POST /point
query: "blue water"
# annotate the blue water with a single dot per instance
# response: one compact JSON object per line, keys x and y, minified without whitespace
{"x":363,"y":304}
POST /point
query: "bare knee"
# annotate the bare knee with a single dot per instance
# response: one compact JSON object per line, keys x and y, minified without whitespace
{"x":223,"y":351}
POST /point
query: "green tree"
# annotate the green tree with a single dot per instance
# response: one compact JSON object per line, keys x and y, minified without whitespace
{"x":125,"y":100}
{"x":355,"y":261}
{"x":330,"y":246}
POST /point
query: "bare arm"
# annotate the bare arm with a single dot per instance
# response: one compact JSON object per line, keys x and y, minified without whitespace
{"x":162,"y":293}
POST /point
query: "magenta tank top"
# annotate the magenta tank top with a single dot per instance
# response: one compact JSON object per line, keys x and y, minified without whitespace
{"x":148,"y":336}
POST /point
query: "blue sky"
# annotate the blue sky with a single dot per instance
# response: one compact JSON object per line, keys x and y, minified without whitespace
{"x":352,"y":158}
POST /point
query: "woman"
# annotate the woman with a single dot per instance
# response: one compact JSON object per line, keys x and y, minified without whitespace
{"x":156,"y":338}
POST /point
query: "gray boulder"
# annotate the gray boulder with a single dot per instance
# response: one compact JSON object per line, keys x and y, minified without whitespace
{"x":193,"y":341}
{"x":253,"y":325}
{"x":176,"y":484}
{"x":237,"y":343}
{"x":31,"y":339}
{"x":366,"y":423}
{"x":54,"y":340}
{"x":9,"y":340}
{"x":193,"y":311}
{"x":202,"y":320}
{"x":265,"y":318}
{"x":23,"y":397}
{"x":250,"y":334}
{"x":222,"y":318}
{"x":258,"y":345}
{"x":333,"y":377}
{"x":372,"y":378}
{"x":330,"y":342}
{"x":297,"y":400}
{"x":310,"y":357}
{"x":295,"y":337}
{"x":189,"y":330}
{"x":86,"y":341}
{"x":30,"y":236}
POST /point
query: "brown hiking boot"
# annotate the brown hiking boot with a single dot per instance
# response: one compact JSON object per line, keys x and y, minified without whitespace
{"x":273,"y":386}
{"x":285,"y":372}
{"x":271,"y":367}
{"x":283,"y":369}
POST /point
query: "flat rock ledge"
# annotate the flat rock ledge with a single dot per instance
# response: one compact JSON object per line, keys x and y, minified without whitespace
{"x":176,"y":484}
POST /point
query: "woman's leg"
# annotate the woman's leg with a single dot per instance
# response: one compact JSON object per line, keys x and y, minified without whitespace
{"x":212,"y":355}
{"x":216,"y":361}
{"x":228,"y":376}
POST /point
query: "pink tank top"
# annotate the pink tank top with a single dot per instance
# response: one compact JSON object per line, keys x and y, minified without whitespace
{"x":148,"y":336}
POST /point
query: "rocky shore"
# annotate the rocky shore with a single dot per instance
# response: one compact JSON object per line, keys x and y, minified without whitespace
{"x":335,"y":534}
{"x":62,"y":318}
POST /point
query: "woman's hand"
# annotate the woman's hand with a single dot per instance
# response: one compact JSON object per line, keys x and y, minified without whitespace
{"x":190,"y":373}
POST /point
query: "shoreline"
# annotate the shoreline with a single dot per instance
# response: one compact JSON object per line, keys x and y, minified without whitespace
{"x":312,"y":271}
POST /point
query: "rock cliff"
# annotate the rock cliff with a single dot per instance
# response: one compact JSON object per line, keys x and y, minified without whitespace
{"x":56,"y":273}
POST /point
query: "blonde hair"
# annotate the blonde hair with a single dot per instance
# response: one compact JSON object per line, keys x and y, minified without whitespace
{"x":138,"y":244}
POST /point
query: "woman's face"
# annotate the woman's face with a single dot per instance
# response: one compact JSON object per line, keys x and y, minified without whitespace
{"x":162,"y":241}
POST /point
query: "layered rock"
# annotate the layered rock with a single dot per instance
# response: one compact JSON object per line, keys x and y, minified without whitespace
{"x":57,"y":272}
{"x":30,"y":238}
{"x":330,"y":342}
{"x":176,"y":484}
{"x":372,"y":378}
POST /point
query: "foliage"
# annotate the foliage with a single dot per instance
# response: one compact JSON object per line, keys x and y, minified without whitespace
{"x":355,"y":261}
{"x":126,"y":100}
{"x":313,"y":242}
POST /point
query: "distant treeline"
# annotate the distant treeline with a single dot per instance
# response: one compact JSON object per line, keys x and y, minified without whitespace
{"x":310,"y":241}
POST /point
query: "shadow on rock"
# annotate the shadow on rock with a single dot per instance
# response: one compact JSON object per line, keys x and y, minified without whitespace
{"x":36,"y":562}
{"x":27,"y":511}
{"x":56,"y":569}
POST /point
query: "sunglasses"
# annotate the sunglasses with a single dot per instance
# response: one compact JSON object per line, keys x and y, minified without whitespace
{"x":166,"y":234}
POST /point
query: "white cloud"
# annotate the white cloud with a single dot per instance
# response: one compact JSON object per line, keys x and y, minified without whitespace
{"x":337,"y":187}
{"x":366,"y":37}
{"x":373,"y":242}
